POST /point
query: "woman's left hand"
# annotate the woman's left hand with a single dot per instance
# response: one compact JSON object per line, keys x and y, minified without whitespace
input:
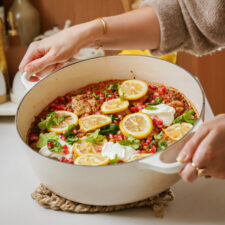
{"x":206,"y":149}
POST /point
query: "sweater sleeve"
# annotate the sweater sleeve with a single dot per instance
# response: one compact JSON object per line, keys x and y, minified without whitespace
{"x":196,"y":26}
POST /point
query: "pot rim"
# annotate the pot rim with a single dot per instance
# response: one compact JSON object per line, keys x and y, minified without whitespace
{"x":201,"y":114}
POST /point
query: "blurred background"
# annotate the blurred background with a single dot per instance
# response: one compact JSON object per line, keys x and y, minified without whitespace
{"x":42,"y":15}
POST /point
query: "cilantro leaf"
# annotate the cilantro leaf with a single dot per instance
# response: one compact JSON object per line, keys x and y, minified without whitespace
{"x":70,"y":136}
{"x":188,"y":116}
{"x":150,"y":107}
{"x":115,"y":160}
{"x":162,"y":145}
{"x":59,"y":119}
{"x":95,"y":137}
{"x":48,"y":122}
{"x":71,"y":140}
{"x":112,"y":128}
{"x":112,"y":117}
{"x":152,"y":143}
{"x":56,"y":146}
{"x":131,"y":141}
{"x":43,"y":139}
{"x":158,"y":136}
{"x":113,"y":87}
{"x":158,"y":100}
{"x":122,"y":96}
{"x":95,"y":95}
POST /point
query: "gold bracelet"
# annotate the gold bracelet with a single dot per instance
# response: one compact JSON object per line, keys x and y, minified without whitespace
{"x":103,"y":24}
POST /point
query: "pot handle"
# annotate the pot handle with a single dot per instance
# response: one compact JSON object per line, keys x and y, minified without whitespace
{"x":25,"y":80}
{"x":165,"y":161}
{"x":155,"y":163}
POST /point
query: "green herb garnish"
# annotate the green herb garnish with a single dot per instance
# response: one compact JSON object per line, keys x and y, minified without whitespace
{"x":56,"y":146}
{"x":95,"y":137}
{"x":50,"y":121}
{"x":112,"y":128}
{"x":113,"y":87}
{"x":188,"y":117}
{"x":150,"y":107}
{"x":95,"y":95}
{"x":158,"y":100}
{"x":122,"y":96}
{"x":158,"y":136}
{"x":115,"y":160}
{"x":162,"y":145}
{"x":112,"y":117}
{"x":43,"y":139}
{"x":152,"y":143}
{"x":131,"y":141}
{"x":70,"y":136}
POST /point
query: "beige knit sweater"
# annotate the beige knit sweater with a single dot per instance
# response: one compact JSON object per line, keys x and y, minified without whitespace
{"x":196,"y":26}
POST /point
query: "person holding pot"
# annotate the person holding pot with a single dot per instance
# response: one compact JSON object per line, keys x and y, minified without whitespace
{"x":163,"y":26}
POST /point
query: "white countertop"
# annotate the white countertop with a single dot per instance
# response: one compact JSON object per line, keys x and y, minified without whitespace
{"x":202,"y":202}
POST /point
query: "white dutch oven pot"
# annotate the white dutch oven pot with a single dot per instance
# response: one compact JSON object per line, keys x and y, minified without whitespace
{"x":112,"y":184}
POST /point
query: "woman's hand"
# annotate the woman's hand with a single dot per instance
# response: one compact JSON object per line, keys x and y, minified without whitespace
{"x":54,"y":52}
{"x":206,"y":149}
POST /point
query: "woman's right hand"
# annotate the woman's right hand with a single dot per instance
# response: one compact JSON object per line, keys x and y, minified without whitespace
{"x":49,"y":54}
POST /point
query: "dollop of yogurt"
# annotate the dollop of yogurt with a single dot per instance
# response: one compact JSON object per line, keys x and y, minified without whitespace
{"x":111,"y":149}
{"x":45,"y":151}
{"x":163,"y":111}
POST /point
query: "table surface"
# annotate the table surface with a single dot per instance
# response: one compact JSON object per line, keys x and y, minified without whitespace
{"x":202,"y":202}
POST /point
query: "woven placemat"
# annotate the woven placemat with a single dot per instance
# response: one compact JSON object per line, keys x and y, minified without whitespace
{"x":48,"y":199}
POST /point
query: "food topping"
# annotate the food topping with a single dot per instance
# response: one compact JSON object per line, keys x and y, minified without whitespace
{"x":162,"y":111}
{"x":133,"y":89}
{"x":112,"y":122}
{"x":93,"y":122}
{"x":177,"y":131}
{"x":91,"y":159}
{"x":114,"y":106}
{"x":139,"y":125}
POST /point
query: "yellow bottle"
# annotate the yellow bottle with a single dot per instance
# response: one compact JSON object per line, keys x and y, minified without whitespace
{"x":3,"y":64}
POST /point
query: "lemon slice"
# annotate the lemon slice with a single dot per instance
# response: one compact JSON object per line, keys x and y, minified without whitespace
{"x":91,"y":159}
{"x":71,"y":119}
{"x":177,"y":131}
{"x":139,"y":125}
{"x":114,"y":106}
{"x":82,"y":146}
{"x":138,"y":156}
{"x":133,"y":89}
{"x":93,"y":122}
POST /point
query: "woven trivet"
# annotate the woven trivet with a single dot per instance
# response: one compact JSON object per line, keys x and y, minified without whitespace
{"x":48,"y":199}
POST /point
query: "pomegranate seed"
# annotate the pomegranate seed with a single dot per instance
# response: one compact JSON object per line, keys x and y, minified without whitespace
{"x":161,"y":90}
{"x":102,"y":100}
{"x":116,"y":122}
{"x":120,"y":117}
{"x":116,"y":93}
{"x":68,"y":98}
{"x":144,"y":144}
{"x":119,"y":137}
{"x":148,"y":141}
{"x":153,"y":87}
{"x":71,"y":161}
{"x":60,"y":107}
{"x":149,"y":86}
{"x":50,"y":144}
{"x":111,"y":136}
{"x":159,"y":122}
{"x":102,"y":95}
{"x":61,"y":99}
{"x":154,"y":121}
{"x":120,"y":161}
{"x":88,"y":92}
{"x":99,"y":150}
{"x":56,"y":102}
{"x":156,"y":94}
{"x":65,"y":149}
{"x":70,"y":110}
{"x":134,"y":109}
{"x":34,"y":137}
{"x":166,"y":97}
{"x":53,"y":105}
{"x":152,"y":101}
{"x":63,"y":137}
{"x":63,"y":159}
{"x":97,"y":92}
{"x":109,"y":91}
{"x":156,"y":117}
{"x":74,"y":131}
{"x":153,"y":149}
{"x":63,"y":132}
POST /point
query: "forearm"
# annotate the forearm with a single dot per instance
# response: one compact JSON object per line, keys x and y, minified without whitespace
{"x":138,"y":29}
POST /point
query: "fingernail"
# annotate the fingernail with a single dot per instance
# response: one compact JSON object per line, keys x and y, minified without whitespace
{"x":182,"y":157}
